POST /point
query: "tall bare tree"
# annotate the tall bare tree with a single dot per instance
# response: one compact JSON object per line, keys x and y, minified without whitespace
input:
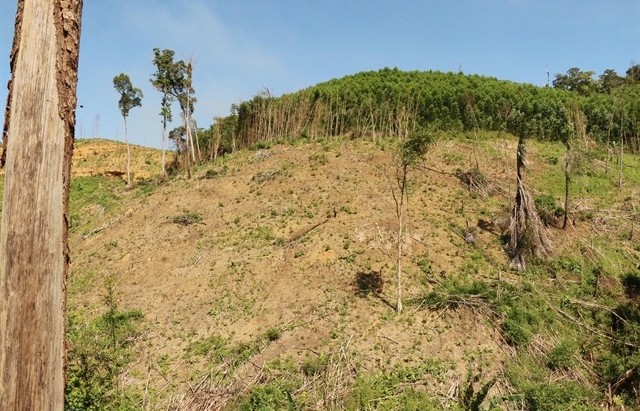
{"x":130,"y":97}
{"x":34,"y":257}
{"x":411,"y":153}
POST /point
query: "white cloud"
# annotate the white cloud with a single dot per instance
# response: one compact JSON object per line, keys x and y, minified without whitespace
{"x":193,"y":29}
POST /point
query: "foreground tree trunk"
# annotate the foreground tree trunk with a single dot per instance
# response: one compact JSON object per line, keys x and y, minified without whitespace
{"x":34,"y":257}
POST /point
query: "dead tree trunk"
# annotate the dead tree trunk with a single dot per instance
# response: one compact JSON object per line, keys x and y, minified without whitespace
{"x":34,"y":257}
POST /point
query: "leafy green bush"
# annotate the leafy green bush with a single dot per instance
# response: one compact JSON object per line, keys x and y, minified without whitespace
{"x":214,"y":345}
{"x":469,"y":398}
{"x":559,"y":396}
{"x":620,"y":366}
{"x":396,"y":390}
{"x":562,"y":355}
{"x":262,"y":145}
{"x":315,"y":365}
{"x":548,"y":210}
{"x":456,"y":292}
{"x":99,"y":350}
{"x":273,"y":334}
{"x":272,"y":396}
{"x":516,"y":333}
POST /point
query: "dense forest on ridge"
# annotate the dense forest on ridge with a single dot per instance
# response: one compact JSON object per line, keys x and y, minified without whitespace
{"x":391,"y":102}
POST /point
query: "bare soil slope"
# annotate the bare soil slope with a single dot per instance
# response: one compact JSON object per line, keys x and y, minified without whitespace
{"x":273,"y":241}
{"x":105,"y":157}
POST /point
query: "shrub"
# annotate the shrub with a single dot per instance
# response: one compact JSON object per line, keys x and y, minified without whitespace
{"x":397,"y":390}
{"x":548,"y":210}
{"x":521,"y":323}
{"x":562,"y":355}
{"x":98,"y":351}
{"x":560,"y":396}
{"x":271,"y":396}
{"x":186,"y":218}
{"x":273,"y":334}
{"x":315,"y":366}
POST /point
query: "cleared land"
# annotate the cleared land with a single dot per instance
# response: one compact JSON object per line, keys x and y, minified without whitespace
{"x":233,"y":299}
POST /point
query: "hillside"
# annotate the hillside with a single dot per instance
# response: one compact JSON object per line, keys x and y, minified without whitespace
{"x":106,"y":157}
{"x":392,"y":102}
{"x":254,"y":285}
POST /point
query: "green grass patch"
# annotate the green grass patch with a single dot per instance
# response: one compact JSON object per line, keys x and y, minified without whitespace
{"x":101,"y":192}
{"x":398,"y":389}
{"x":99,"y":350}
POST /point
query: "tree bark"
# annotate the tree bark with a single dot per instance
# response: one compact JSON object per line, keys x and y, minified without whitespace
{"x":400,"y":212}
{"x":621,"y":164}
{"x":164,"y":144}
{"x":34,"y":257}
{"x":126,"y":140}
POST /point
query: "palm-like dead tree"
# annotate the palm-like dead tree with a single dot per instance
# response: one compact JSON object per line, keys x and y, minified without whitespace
{"x":527,"y":234}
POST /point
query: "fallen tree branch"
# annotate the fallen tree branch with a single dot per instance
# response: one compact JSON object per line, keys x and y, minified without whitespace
{"x":587,"y":326}
{"x":96,"y":231}
{"x":305,"y":230}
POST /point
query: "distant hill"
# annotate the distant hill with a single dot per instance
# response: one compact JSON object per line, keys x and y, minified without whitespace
{"x":391,"y":102}
{"x":107,"y":157}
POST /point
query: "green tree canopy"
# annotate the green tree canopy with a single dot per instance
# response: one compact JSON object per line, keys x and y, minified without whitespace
{"x":163,"y":80}
{"x":610,"y":80}
{"x":633,"y":74}
{"x":173,"y":78}
{"x":576,"y":80}
{"x":130,"y":96}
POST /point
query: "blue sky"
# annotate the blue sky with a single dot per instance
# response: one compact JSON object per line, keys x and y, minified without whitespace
{"x":241,"y":46}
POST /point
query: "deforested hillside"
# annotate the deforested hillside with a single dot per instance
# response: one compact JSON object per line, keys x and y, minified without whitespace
{"x":268,"y":281}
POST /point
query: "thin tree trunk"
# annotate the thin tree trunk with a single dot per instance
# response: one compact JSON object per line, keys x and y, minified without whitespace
{"x":574,"y":117}
{"x":621,"y":151}
{"x":187,"y":125}
{"x":186,"y":151}
{"x":164,"y":144}
{"x":621,"y":160}
{"x":216,"y":145}
{"x":567,"y":182}
{"x":400,"y":210}
{"x":399,"y":261}
{"x":126,"y":140}
{"x":34,"y":257}
{"x":606,"y":157}
{"x":195,"y":131}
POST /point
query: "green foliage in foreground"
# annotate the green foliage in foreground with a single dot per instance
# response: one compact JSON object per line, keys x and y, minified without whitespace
{"x":394,"y":390}
{"x":99,"y":349}
{"x":530,"y":314}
